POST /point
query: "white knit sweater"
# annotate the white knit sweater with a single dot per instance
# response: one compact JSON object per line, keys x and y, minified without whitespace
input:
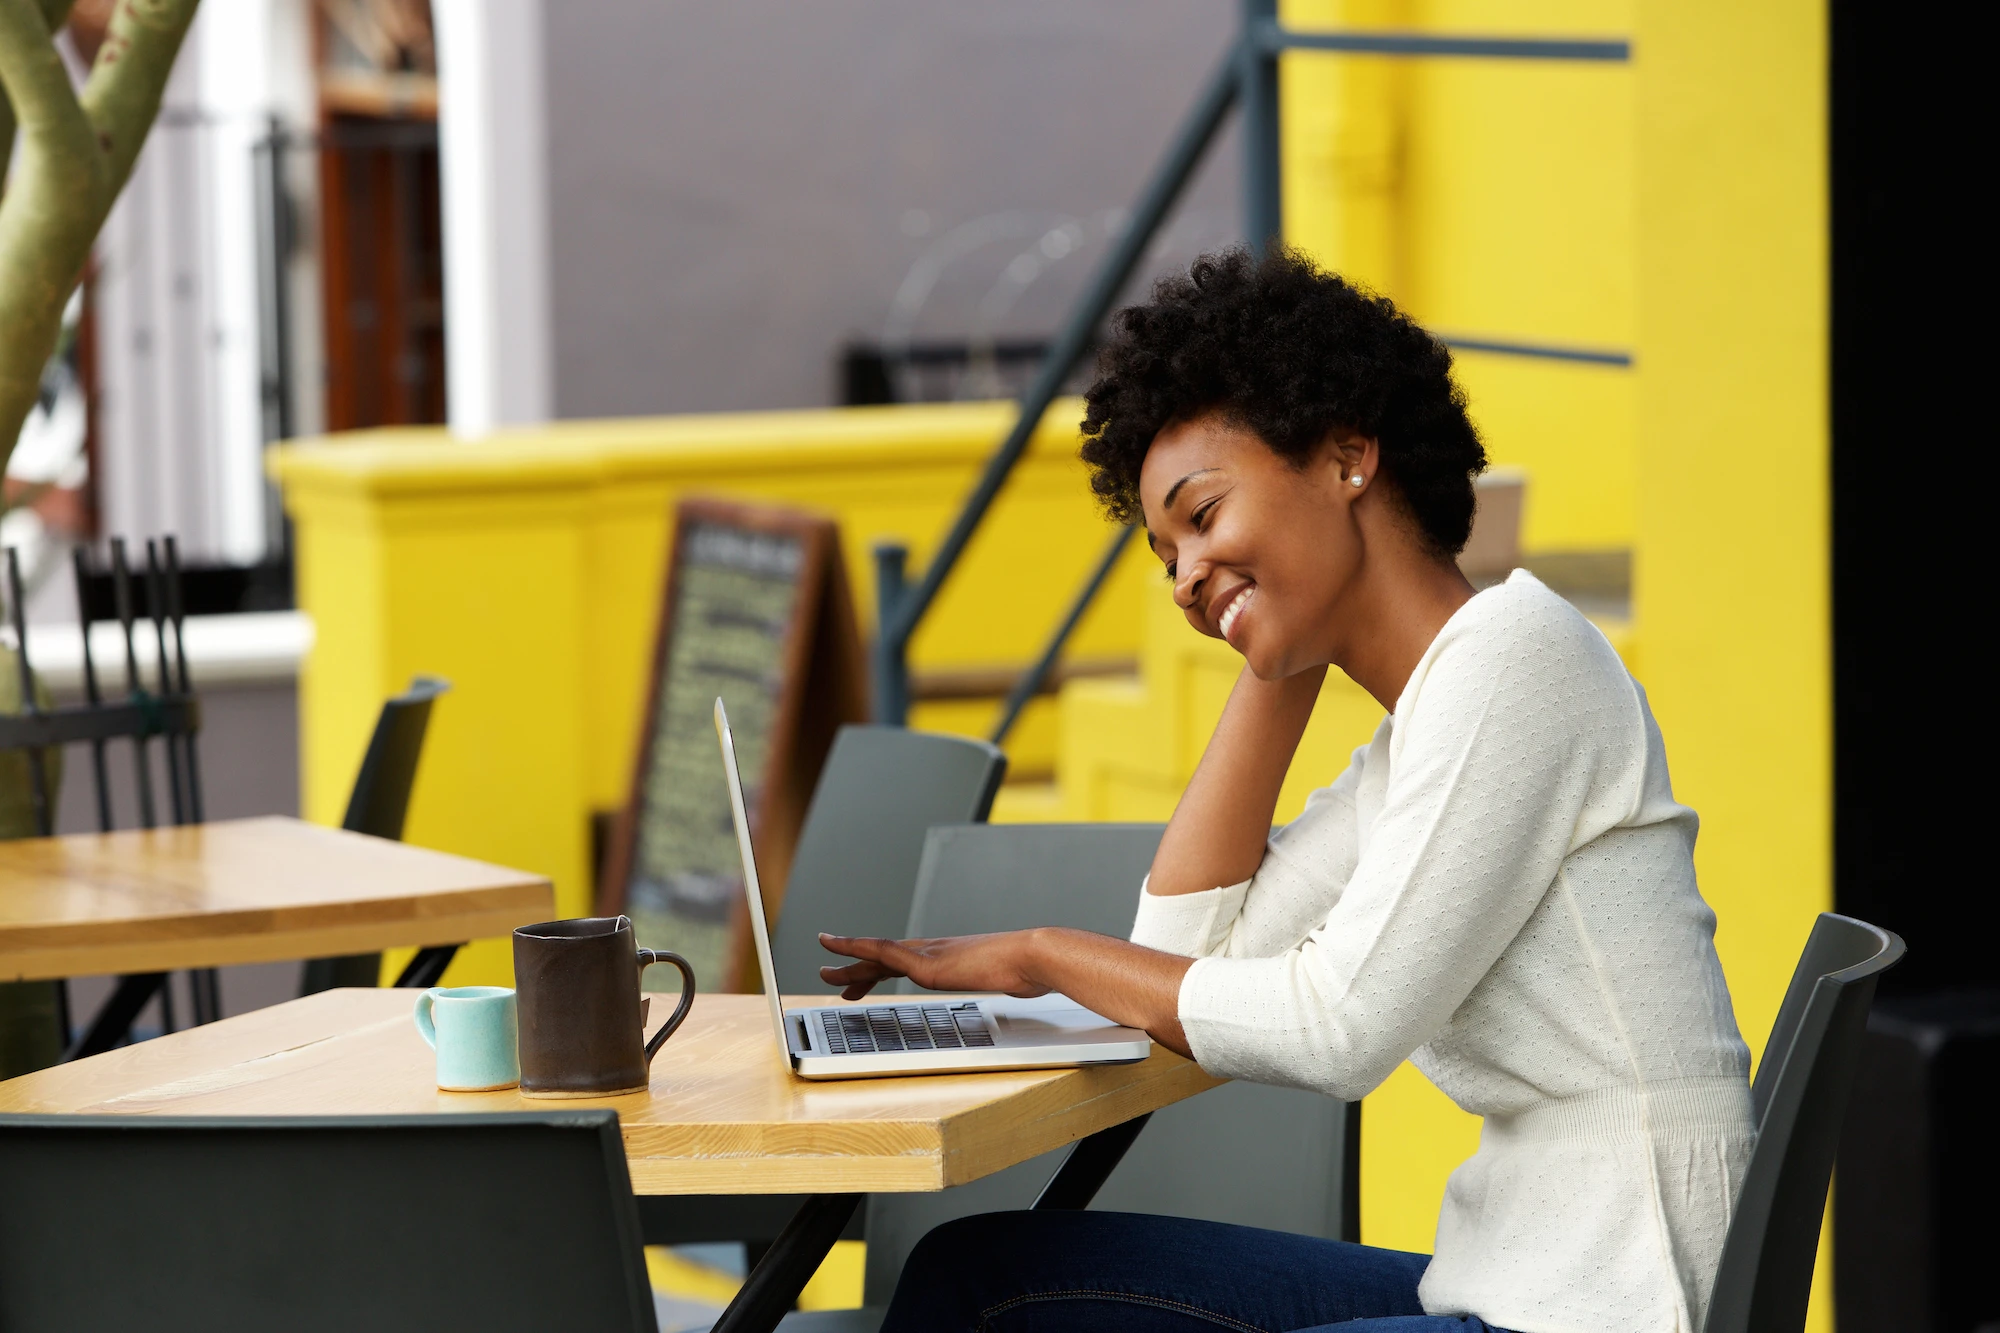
{"x":1501,"y":888}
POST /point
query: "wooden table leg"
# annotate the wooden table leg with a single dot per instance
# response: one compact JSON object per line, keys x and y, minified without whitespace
{"x":773,"y":1286}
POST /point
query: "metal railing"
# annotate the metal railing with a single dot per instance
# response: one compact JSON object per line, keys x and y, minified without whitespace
{"x":1247,"y":74}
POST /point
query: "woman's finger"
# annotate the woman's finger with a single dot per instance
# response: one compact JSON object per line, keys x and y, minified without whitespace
{"x":854,"y":946}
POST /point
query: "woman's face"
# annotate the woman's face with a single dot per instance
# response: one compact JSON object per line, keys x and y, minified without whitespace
{"x":1259,"y":552}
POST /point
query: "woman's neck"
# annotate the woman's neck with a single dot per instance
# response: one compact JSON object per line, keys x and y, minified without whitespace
{"x":1392,"y":613}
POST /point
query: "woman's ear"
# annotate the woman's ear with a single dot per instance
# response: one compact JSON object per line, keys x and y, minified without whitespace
{"x":1351,"y":458}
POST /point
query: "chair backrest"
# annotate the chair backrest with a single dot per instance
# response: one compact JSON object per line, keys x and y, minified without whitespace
{"x":856,"y":865}
{"x":494,"y":1222}
{"x":1243,"y":1153}
{"x":1798,"y":1100}
{"x":381,"y":796}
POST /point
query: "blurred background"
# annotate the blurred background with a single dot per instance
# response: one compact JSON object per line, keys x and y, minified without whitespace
{"x":416,"y":318}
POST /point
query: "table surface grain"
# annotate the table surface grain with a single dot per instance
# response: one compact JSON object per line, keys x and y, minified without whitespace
{"x":723,"y":1114}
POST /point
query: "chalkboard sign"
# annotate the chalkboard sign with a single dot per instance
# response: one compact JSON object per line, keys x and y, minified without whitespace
{"x":757,"y":610}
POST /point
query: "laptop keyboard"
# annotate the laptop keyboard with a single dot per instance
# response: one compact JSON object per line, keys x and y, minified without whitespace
{"x":904,"y":1027}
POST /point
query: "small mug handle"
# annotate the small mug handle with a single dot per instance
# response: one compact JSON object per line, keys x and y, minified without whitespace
{"x":426,"y":1028}
{"x":647,"y":957}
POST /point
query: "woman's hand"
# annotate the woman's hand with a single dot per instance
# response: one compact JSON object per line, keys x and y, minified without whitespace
{"x":1127,"y":983}
{"x":960,"y":963}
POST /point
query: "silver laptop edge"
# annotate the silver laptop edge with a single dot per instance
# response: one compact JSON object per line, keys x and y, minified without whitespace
{"x":1050,"y":1032}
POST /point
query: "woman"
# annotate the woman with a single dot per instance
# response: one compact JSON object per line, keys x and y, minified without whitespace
{"x":1500,"y":887}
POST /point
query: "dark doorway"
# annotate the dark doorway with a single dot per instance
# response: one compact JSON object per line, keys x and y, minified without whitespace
{"x":1915,"y":1226}
{"x":384,"y":265}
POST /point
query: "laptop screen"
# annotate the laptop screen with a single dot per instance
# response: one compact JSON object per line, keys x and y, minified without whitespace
{"x":758,"y":930}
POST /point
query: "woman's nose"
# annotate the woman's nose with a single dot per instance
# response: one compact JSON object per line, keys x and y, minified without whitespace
{"x":1188,"y":586}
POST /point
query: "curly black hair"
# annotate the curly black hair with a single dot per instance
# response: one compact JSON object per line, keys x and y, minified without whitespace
{"x":1291,"y":352}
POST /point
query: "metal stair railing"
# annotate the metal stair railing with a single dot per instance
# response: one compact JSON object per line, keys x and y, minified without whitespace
{"x":1247,"y":73}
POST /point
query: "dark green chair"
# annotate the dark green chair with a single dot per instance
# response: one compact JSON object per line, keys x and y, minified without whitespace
{"x":1799,"y":1099}
{"x":378,"y":806}
{"x":514,"y":1223}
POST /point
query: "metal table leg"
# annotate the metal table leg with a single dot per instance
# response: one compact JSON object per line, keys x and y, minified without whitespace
{"x":775,"y":1282}
{"x":422,"y":971}
{"x":113,"y":1022}
{"x":774,"y":1285}
{"x":1089,"y":1164}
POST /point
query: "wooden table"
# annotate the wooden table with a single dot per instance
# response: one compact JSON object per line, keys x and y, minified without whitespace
{"x":723,"y":1114}
{"x":241,"y":891}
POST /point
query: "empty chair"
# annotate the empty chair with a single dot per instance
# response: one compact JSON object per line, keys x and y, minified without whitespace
{"x":1799,"y":1099}
{"x":528,"y":1224}
{"x":855,"y":870}
{"x":377,"y":806}
{"x":1270,"y":1157}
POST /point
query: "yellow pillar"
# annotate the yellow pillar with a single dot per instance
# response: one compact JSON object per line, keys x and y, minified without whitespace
{"x":1732,"y":574}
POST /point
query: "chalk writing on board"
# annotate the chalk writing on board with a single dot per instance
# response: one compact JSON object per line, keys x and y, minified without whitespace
{"x":734,"y":604}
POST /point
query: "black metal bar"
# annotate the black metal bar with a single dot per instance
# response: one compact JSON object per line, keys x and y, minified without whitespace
{"x":38,"y":789}
{"x":1184,"y":154}
{"x":1350,"y":1176}
{"x":68,"y":724}
{"x":1612,"y":50}
{"x":891,"y":681}
{"x":1030,"y":683}
{"x":1589,"y":356}
{"x":1089,"y":1164}
{"x":1263,"y":221}
{"x":774,"y":1285}
{"x":92,"y":698}
{"x":167,"y":1020}
{"x":422,"y":971}
{"x":205,"y":991}
{"x":121,"y":586}
{"x":155,"y":608}
{"x":174,"y":613}
{"x":114,"y":1021}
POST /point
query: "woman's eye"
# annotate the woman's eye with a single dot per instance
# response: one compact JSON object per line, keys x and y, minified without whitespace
{"x":1200,"y":516}
{"x":1171,"y":576}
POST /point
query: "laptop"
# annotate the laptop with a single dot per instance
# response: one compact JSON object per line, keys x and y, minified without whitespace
{"x":910,"y":1036}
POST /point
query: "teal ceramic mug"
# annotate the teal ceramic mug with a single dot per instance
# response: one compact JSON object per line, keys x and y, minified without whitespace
{"x":473,"y":1029}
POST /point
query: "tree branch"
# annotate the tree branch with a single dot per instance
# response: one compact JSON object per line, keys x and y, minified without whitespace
{"x":55,"y":201}
{"x":123,"y":94}
{"x":55,"y":12}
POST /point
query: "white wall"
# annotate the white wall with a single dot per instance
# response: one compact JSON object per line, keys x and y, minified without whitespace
{"x":492,"y":135}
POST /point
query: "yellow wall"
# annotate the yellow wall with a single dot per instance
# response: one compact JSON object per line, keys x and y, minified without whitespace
{"x":527,"y":570}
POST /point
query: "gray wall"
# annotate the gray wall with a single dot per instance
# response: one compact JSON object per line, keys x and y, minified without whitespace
{"x":736,"y":188}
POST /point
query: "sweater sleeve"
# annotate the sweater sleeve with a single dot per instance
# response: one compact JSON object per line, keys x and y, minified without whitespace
{"x":1501,"y":764}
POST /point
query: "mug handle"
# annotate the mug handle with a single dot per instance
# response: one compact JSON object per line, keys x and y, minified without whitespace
{"x":426,"y":1028}
{"x":647,"y":957}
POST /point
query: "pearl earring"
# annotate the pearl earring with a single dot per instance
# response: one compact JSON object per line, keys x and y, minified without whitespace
{"x":1357,"y":479}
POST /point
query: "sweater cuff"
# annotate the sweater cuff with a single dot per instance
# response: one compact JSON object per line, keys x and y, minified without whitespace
{"x":1224,"y":1033}
{"x":1189,"y":924}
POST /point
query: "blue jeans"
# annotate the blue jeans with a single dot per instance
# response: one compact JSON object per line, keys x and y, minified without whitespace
{"x":1129,"y":1273}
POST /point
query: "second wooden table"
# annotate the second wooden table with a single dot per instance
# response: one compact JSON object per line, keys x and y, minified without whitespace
{"x":241,"y":891}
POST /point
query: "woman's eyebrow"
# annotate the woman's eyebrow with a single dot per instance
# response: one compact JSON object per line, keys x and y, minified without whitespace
{"x":1175,"y":489}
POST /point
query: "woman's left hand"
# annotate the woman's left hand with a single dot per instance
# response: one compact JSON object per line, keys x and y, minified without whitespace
{"x":958,"y":963}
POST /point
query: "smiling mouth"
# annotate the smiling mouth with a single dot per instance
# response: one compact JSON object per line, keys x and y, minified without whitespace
{"x":1231,"y":612}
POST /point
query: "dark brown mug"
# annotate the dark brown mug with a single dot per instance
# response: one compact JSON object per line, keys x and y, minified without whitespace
{"x":582,"y":1023}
